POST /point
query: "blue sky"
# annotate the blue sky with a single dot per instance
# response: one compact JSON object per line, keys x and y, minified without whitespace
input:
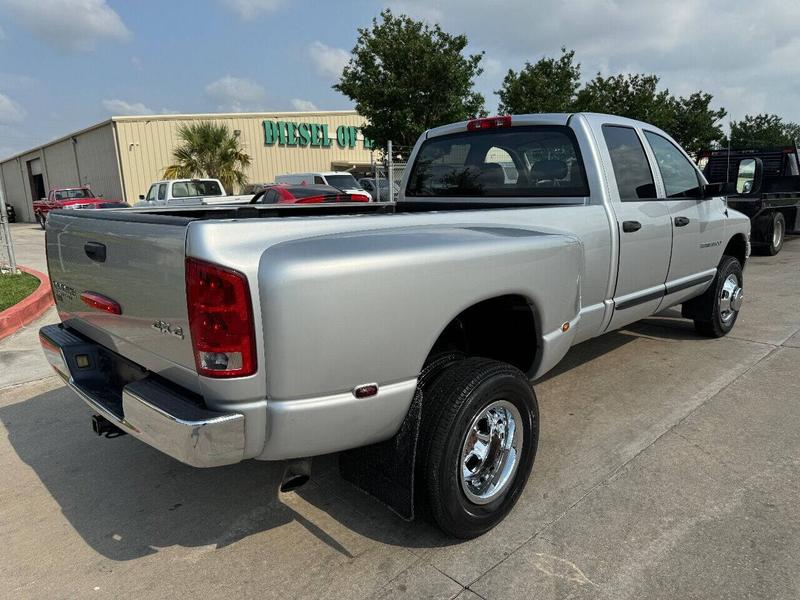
{"x":65,"y":64}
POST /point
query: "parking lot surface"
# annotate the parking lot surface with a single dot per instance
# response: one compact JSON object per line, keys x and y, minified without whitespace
{"x":668,"y":467}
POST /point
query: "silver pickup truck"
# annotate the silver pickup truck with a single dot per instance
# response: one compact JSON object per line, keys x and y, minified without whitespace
{"x":405,"y":335}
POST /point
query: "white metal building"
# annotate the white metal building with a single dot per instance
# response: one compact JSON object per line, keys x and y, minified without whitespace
{"x":121,"y":157}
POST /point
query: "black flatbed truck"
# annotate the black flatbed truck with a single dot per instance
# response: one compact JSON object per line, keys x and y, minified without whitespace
{"x":767,"y":183}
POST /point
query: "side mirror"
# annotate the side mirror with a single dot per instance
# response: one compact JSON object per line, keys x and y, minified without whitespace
{"x":749,"y":176}
{"x":141,"y":196}
{"x":712,"y":190}
{"x":99,"y":195}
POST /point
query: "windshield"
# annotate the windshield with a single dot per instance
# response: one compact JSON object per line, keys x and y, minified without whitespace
{"x":192,"y":189}
{"x":343,"y":181}
{"x":535,"y":161}
{"x":73,"y":194}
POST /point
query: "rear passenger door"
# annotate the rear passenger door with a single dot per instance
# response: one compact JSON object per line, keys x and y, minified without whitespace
{"x":643,"y":221}
{"x":697,"y":224}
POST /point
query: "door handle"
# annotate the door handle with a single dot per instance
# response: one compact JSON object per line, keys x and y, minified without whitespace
{"x":96,"y":251}
{"x":631,"y":226}
{"x":681,"y":221}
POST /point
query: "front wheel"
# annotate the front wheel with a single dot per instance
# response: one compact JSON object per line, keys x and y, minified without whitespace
{"x":480,"y":431}
{"x":718,"y":308}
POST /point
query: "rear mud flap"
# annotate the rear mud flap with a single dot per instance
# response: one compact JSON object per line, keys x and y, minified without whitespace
{"x":385,"y":470}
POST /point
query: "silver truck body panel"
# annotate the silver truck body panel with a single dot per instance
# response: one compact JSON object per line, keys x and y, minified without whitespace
{"x":342,"y":301}
{"x":143,"y":271}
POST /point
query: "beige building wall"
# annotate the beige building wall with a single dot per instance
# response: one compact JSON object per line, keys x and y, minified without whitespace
{"x":97,"y":161}
{"x":88,"y":157}
{"x":16,"y":190}
{"x":60,"y":166}
{"x":146,"y":145}
{"x":121,"y":157}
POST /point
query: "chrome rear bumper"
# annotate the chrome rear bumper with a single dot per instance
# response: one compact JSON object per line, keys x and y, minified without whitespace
{"x":162,"y":416}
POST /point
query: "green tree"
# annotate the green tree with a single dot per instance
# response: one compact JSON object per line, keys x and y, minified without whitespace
{"x":406,"y":76}
{"x":763,"y":130}
{"x":690,"y":120}
{"x":209,"y":150}
{"x":549,"y":85}
{"x":697,"y":126}
{"x":635,"y":96}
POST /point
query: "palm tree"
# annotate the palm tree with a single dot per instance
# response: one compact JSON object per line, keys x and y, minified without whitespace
{"x":209,"y":150}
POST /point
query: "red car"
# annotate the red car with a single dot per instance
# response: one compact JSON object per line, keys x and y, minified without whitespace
{"x":70,"y":197}
{"x":305,"y":194}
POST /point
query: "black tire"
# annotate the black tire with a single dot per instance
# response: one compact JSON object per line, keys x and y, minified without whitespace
{"x":451,"y":405}
{"x":776,"y":234}
{"x":710,"y":318}
{"x":41,"y":220}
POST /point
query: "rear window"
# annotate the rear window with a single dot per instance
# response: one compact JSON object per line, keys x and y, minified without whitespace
{"x":342,"y":181}
{"x":533,"y":161}
{"x":74,"y":194}
{"x":302,"y":191}
{"x":191,"y":189}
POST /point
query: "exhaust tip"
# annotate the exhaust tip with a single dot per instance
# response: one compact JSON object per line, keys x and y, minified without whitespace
{"x":103,"y":427}
{"x":296,"y":474}
{"x":292,"y":483}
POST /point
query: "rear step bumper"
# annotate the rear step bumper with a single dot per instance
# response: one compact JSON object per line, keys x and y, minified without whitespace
{"x":160,"y":415}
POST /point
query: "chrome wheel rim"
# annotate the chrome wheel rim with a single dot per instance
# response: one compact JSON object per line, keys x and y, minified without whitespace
{"x":777,"y":234}
{"x":490,"y":452}
{"x":730,"y":298}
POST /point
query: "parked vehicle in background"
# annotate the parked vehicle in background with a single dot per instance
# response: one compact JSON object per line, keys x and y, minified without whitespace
{"x":338,"y":179}
{"x":305,"y":194}
{"x":12,"y":214}
{"x":188,"y":192}
{"x":767,"y":182}
{"x":378,"y":189}
{"x":70,"y":198}
{"x":405,"y":335}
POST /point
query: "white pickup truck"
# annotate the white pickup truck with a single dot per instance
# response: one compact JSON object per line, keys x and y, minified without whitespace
{"x":407,"y":334}
{"x":189,"y":192}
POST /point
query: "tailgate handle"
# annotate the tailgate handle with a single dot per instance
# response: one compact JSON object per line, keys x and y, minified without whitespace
{"x":96,"y":251}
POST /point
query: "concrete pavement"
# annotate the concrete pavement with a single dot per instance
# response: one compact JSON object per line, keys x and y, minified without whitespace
{"x":668,"y":468}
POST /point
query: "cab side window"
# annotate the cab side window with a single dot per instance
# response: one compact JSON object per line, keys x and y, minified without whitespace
{"x":162,"y":191}
{"x":680,"y":177}
{"x":631,"y":169}
{"x":319,"y":180}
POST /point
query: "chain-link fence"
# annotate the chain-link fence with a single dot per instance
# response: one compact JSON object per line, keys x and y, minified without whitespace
{"x":389,"y":170}
{"x":8,"y":263}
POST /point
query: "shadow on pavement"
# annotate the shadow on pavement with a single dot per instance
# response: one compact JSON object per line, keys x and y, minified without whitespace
{"x":127,"y":500}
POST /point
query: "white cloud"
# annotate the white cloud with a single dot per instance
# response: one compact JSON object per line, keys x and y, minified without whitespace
{"x":71,"y":25}
{"x":249,"y":9}
{"x":304,"y":105}
{"x":235,"y":94}
{"x":121,"y":107}
{"x":734,"y":49}
{"x":327,"y":60}
{"x":10,"y":111}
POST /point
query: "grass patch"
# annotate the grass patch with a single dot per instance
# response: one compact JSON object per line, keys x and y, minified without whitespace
{"x":14,"y":288}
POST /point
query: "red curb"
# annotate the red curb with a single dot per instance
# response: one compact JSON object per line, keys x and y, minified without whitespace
{"x":29,"y":308}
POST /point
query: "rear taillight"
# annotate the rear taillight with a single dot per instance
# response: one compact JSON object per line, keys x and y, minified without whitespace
{"x":489,"y":123}
{"x":220,"y":320}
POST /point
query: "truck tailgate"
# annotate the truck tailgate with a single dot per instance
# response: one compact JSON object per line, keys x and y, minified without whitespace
{"x":137,"y":263}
